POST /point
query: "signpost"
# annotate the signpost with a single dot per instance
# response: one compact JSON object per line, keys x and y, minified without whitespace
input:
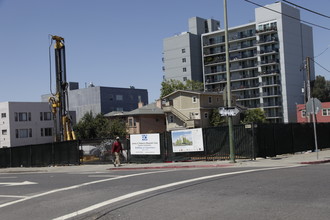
{"x":228,"y":111}
{"x":313,"y":106}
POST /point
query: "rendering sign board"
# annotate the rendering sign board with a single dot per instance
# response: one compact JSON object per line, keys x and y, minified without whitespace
{"x":145,"y":144}
{"x":190,"y":140}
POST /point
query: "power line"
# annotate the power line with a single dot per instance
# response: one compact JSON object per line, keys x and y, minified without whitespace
{"x":322,"y":52}
{"x":316,"y":25}
{"x":326,"y":16}
{"x":321,"y":66}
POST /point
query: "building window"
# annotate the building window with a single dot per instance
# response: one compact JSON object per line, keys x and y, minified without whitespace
{"x":45,"y":116}
{"x":119,"y":97}
{"x":110,"y":97}
{"x":4,"y":132}
{"x":303,"y":113}
{"x":22,"y":116}
{"x":184,"y":60}
{"x":171,"y":119}
{"x":210,"y":99}
{"x":184,"y":69}
{"x":119,"y":109}
{"x":47,"y":132}
{"x":184,"y":79}
{"x":3,"y":115}
{"x":194,"y":99}
{"x":206,"y":115}
{"x":183,"y":50}
{"x":23,"y":133}
{"x":131,"y":122}
{"x":326,"y":112}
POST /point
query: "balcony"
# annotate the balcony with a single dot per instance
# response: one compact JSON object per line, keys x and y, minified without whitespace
{"x":269,"y":72}
{"x":266,"y":30}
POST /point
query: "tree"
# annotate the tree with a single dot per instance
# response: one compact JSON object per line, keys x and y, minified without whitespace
{"x":254,"y":115}
{"x":90,"y":127}
{"x":169,"y":86}
{"x":118,"y":128}
{"x":320,"y":89}
{"x":216,"y":119}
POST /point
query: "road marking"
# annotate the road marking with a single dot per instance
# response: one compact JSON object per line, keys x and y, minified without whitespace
{"x":12,"y":196}
{"x":140,"y":192}
{"x":103,"y":176}
{"x":18,"y":183}
{"x":77,"y":186}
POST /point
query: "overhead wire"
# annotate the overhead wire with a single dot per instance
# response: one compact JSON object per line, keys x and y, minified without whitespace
{"x":307,"y":22}
{"x":320,"y":65}
{"x":315,"y":12}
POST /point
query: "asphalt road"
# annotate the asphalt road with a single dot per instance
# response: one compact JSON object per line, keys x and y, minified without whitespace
{"x":299,"y":192}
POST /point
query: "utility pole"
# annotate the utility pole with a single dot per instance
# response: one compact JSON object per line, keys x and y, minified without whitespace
{"x":308,"y":71}
{"x":230,"y":119}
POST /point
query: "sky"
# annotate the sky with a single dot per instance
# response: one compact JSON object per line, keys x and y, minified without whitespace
{"x":114,"y":43}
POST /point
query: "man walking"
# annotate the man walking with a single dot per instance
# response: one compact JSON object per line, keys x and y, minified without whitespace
{"x":116,"y":150}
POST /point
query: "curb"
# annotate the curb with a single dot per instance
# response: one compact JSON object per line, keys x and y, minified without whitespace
{"x":316,"y":162}
{"x":170,"y":167}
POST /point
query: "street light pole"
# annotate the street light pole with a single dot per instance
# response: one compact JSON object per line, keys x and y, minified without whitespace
{"x":230,"y":119}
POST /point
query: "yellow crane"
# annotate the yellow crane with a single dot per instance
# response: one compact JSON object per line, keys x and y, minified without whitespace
{"x":59,"y":101}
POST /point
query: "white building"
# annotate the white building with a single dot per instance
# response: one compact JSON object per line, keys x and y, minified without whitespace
{"x":266,"y":59}
{"x":24,"y":123}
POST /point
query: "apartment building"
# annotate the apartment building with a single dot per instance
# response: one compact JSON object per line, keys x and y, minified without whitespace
{"x":24,"y":123}
{"x":182,"y":52}
{"x":266,"y":59}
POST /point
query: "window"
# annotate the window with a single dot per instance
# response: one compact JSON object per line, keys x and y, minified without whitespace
{"x":184,"y":69}
{"x":206,"y":115}
{"x":171,"y":119}
{"x":4,"y":132}
{"x":183,"y":50}
{"x":131,"y":122}
{"x":22,"y":116}
{"x":210,"y":99}
{"x":119,"y":97}
{"x":119,"y":109}
{"x":45,"y":116}
{"x":194,"y":99}
{"x":24,"y":133}
{"x":326,"y":112}
{"x":46,"y":132}
{"x":184,"y":60}
{"x":110,"y":97}
{"x":3,"y":115}
{"x":303,"y":113}
{"x":184,"y":79}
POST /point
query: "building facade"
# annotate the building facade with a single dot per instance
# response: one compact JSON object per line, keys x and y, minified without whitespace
{"x":191,"y":109}
{"x":323,"y":116}
{"x":266,"y":57}
{"x":99,"y":99}
{"x":182,"y":52}
{"x":24,"y":123}
{"x":145,"y":119}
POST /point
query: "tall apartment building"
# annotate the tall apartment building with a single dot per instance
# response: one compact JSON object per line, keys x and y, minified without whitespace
{"x":266,"y":59}
{"x":182,"y":52}
{"x":99,"y":99}
{"x":24,"y":123}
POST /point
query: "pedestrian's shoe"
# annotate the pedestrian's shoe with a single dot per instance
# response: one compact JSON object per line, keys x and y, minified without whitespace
{"x":114,"y":164}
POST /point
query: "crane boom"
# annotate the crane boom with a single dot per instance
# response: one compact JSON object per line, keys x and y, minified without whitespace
{"x":62,"y":120}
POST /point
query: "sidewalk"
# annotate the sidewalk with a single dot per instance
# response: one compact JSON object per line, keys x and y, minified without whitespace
{"x":280,"y":160}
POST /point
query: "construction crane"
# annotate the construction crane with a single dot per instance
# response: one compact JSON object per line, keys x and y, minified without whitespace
{"x":59,"y":101}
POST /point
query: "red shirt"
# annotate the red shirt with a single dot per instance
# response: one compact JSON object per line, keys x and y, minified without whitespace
{"x":116,"y":147}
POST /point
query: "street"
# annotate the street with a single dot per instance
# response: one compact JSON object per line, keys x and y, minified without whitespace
{"x":292,"y":192}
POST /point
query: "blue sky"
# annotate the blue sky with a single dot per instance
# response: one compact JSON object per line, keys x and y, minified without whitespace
{"x":115,"y":43}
